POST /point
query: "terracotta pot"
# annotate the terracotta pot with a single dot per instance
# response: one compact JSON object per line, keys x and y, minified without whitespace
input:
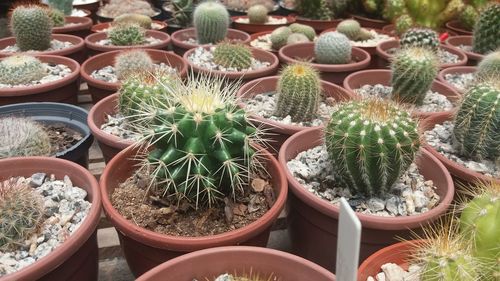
{"x":92,"y":7}
{"x":77,"y":258}
{"x":109,"y":144}
{"x":257,"y":35}
{"x":254,"y":28}
{"x":258,"y":54}
{"x":384,"y":57}
{"x":456,"y":26}
{"x":382,"y":76}
{"x":456,"y":41}
{"x":181,"y":47}
{"x":94,"y":48}
{"x":319,"y":25}
{"x":103,"y":26}
{"x":145,"y":249}
{"x":76,"y":52}
{"x":241,"y":259}
{"x":279,"y":132}
{"x":63,"y":90}
{"x":313,"y":222}
{"x":392,"y":31}
{"x":452,"y":70}
{"x":99,"y":89}
{"x":78,"y":26}
{"x":370,"y":23}
{"x":334,"y":73}
{"x":460,"y":173}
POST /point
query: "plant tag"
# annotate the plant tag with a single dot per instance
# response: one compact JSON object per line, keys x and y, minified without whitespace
{"x":349,"y":237}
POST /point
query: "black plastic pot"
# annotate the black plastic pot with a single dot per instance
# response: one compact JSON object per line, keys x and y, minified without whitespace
{"x":50,"y":112}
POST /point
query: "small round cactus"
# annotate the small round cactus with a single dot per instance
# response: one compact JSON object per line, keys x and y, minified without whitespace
{"x":32,"y":27}
{"x":257,"y":14}
{"x":420,"y":37}
{"x":129,"y":62}
{"x":350,"y":28}
{"x":413,"y":71}
{"x":332,"y":48}
{"x":295,"y":38}
{"x":486,"y":34}
{"x":489,"y":66}
{"x":126,"y":34}
{"x":403,"y":24}
{"x":304,"y":29}
{"x":141,"y":20}
{"x":23,"y":137}
{"x":364,"y":34}
{"x":21,"y":69}
{"x":280,"y":36}
{"x":468,"y":17}
{"x":211,"y":21}
{"x":371,"y":143}
{"x":299,"y":88}
{"x":233,"y":55}
{"x":57,"y":17}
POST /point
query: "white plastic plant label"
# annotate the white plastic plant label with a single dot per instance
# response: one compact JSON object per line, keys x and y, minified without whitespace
{"x":349,"y":238}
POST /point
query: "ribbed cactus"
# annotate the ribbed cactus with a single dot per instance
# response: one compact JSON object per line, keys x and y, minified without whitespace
{"x":133,"y":61}
{"x":21,"y":69}
{"x":23,"y":137}
{"x":476,"y":132}
{"x":141,"y":20}
{"x":21,"y":213}
{"x":57,"y":17}
{"x":233,"y":55}
{"x":314,"y":9}
{"x":371,"y":143}
{"x":295,"y":38}
{"x":65,"y":6}
{"x":299,"y":89}
{"x":486,"y":35}
{"x":350,"y":28}
{"x":420,"y":37}
{"x":32,"y":27}
{"x":211,"y":21}
{"x":489,"y":66}
{"x":468,"y":17}
{"x":332,"y":48}
{"x":413,"y":71}
{"x":126,"y":34}
{"x":403,"y":24}
{"x":279,"y":37}
{"x":303,"y":29}
{"x":257,"y":14}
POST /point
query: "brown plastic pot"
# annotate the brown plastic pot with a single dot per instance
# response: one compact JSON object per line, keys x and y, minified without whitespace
{"x":454,"y":70}
{"x":76,"y":52}
{"x":179,"y":37}
{"x":456,"y":26}
{"x":254,"y":28}
{"x":145,"y":249}
{"x":460,"y":173}
{"x":99,"y":89}
{"x":318,"y":25}
{"x":334,"y":73}
{"x":456,"y":41}
{"x":77,"y":258}
{"x":77,"y":26}
{"x":383,"y":76}
{"x":109,"y":144}
{"x":313,"y":222}
{"x":279,"y":132}
{"x":240,"y":259}
{"x":94,"y":48}
{"x":64,"y":90}
{"x":103,"y":26}
{"x":257,"y":54}
{"x":370,"y":23}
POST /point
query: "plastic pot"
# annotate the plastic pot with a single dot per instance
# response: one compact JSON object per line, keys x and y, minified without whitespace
{"x":369,"y":22}
{"x":453,"y":70}
{"x":94,"y":48}
{"x":319,"y":25}
{"x":103,"y":26}
{"x":64,"y":90}
{"x":77,"y":26}
{"x":99,"y":89}
{"x":334,"y":73}
{"x":145,"y":249}
{"x":313,"y":222}
{"x":455,"y":41}
{"x":241,"y":259}
{"x":456,"y":26}
{"x":77,"y":258}
{"x":179,"y":37}
{"x":254,"y":27}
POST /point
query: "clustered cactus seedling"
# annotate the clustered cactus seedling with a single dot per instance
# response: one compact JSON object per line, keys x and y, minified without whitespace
{"x":132,"y":61}
{"x":486,"y":35}
{"x":295,"y":33}
{"x":21,"y":69}
{"x":489,"y":66}
{"x":413,"y":71}
{"x":280,"y":36}
{"x":32,"y":27}
{"x":23,"y":137}
{"x":57,"y":17}
{"x":65,"y":6}
{"x":353,"y":30}
{"x":303,"y":29}
{"x":141,"y":20}
{"x":299,"y":89}
{"x":332,"y":48}
{"x":257,"y":14}
{"x":314,"y":9}
{"x":233,"y":55}
{"x":211,"y":21}
{"x":126,"y":34}
{"x":420,"y":37}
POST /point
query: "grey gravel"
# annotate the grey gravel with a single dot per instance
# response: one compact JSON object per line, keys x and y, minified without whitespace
{"x":377,"y":39}
{"x":445,"y":57}
{"x":465,"y":48}
{"x":54,"y":46}
{"x":108,"y":73}
{"x":118,"y":126}
{"x":461,"y":81}
{"x":148,"y":41}
{"x":410,"y":195}
{"x":54,"y":72}
{"x":204,"y":58}
{"x":393,"y":272}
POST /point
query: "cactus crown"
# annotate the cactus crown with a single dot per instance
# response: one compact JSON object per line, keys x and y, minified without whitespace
{"x":233,"y":55}
{"x":211,"y":21}
{"x":489,"y":66}
{"x":403,"y":23}
{"x":257,"y":14}
{"x":131,"y":61}
{"x":486,"y":34}
{"x":371,"y":143}
{"x":57,"y":17}
{"x":420,"y":37}
{"x":126,"y":34}
{"x":32,"y":27}
{"x":332,"y":48}
{"x":21,"y":69}
{"x":21,"y":213}
{"x":22,"y":137}
{"x":141,"y":20}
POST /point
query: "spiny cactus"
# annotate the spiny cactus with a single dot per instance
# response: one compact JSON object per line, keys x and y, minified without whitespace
{"x":413,"y":71}
{"x":21,"y":69}
{"x":468,"y":17}
{"x":257,"y":14}
{"x":303,"y":29}
{"x":295,"y":38}
{"x":141,"y":20}
{"x":23,"y":137}
{"x":393,"y":9}
{"x":332,"y":48}
{"x":299,"y":89}
{"x":126,"y":34}
{"x":65,"y":6}
{"x":486,"y":35}
{"x":21,"y":213}
{"x":403,"y":24}
{"x":32,"y":27}
{"x":373,"y":7}
{"x":420,"y":37}
{"x":211,"y":21}
{"x":279,"y":37}
{"x":57,"y":17}
{"x":432,"y":13}
{"x":371,"y":143}
{"x":233,"y":55}
{"x":489,"y":66}
{"x":476,"y":134}
{"x":349,"y":28}
{"x":129,"y":62}
{"x":314,"y":9}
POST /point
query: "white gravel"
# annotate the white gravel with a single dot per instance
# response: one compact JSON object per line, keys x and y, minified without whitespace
{"x":270,"y":20}
{"x":445,"y":57}
{"x":148,"y":41}
{"x":204,"y":58}
{"x":54,"y":72}
{"x":108,"y":74}
{"x":465,"y":48}
{"x":393,"y":272}
{"x":78,"y":13}
{"x":54,"y":46}
{"x":461,"y":81}
{"x":263,"y":42}
{"x":377,"y":39}
{"x":118,"y":126}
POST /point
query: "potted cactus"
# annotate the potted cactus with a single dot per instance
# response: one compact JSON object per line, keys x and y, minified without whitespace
{"x":319,"y":14}
{"x":77,"y":26}
{"x":258,"y":20}
{"x":181,"y":14}
{"x":467,"y":18}
{"x":143,"y":20}
{"x":273,"y":40}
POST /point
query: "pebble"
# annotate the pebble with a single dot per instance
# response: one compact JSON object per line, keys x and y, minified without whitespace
{"x":117,"y":125}
{"x":393,"y":272}
{"x":445,"y":57}
{"x":270,"y":20}
{"x":54,"y":73}
{"x":148,"y":41}
{"x":54,"y":46}
{"x":263,"y":42}
{"x":461,"y":81}
{"x":204,"y":59}
{"x":377,"y":39}
{"x":108,"y":73}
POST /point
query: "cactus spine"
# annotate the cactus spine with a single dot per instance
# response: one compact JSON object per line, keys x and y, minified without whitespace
{"x":22,"y":137}
{"x":299,"y":89}
{"x":279,"y":37}
{"x":229,"y":55}
{"x":371,"y":143}
{"x":21,"y":69}
{"x":489,"y":66}
{"x":129,"y":62}
{"x":420,"y":37}
{"x":65,"y":6}
{"x":211,"y":21}
{"x":468,"y":17}
{"x":257,"y":14}
{"x":303,"y":29}
{"x":32,"y":27}
{"x":127,"y":35}
{"x":332,"y":48}
{"x":486,"y":35}
{"x":141,"y":20}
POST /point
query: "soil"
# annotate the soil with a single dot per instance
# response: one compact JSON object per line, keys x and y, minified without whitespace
{"x":61,"y":137}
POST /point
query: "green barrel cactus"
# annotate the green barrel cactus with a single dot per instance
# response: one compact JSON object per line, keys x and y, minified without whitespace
{"x":295,"y":38}
{"x":350,"y":28}
{"x":126,"y":34}
{"x":393,"y":9}
{"x":21,"y":69}
{"x":413,"y":71}
{"x":279,"y":37}
{"x":299,"y":89}
{"x":65,"y":6}
{"x":486,"y":34}
{"x":23,"y":137}
{"x":476,"y":133}
{"x":32,"y":27}
{"x":57,"y":17}
{"x":314,"y":9}
{"x":257,"y":14}
{"x":420,"y":37}
{"x":233,"y":55}
{"x":332,"y":48}
{"x":132,"y":61}
{"x":468,"y":17}
{"x":373,"y":7}
{"x":489,"y":66}
{"x":141,"y":20}
{"x":303,"y":29}
{"x":371,"y":143}
{"x":211,"y":21}
{"x":403,"y":24}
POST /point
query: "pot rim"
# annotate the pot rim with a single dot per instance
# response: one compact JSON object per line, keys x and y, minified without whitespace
{"x":455,"y":69}
{"x":454,"y":25}
{"x":92,"y":38}
{"x":99,"y":27}
{"x":78,"y":45}
{"x":463,"y":38}
{"x":176,"y":40}
{"x":79,"y":23}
